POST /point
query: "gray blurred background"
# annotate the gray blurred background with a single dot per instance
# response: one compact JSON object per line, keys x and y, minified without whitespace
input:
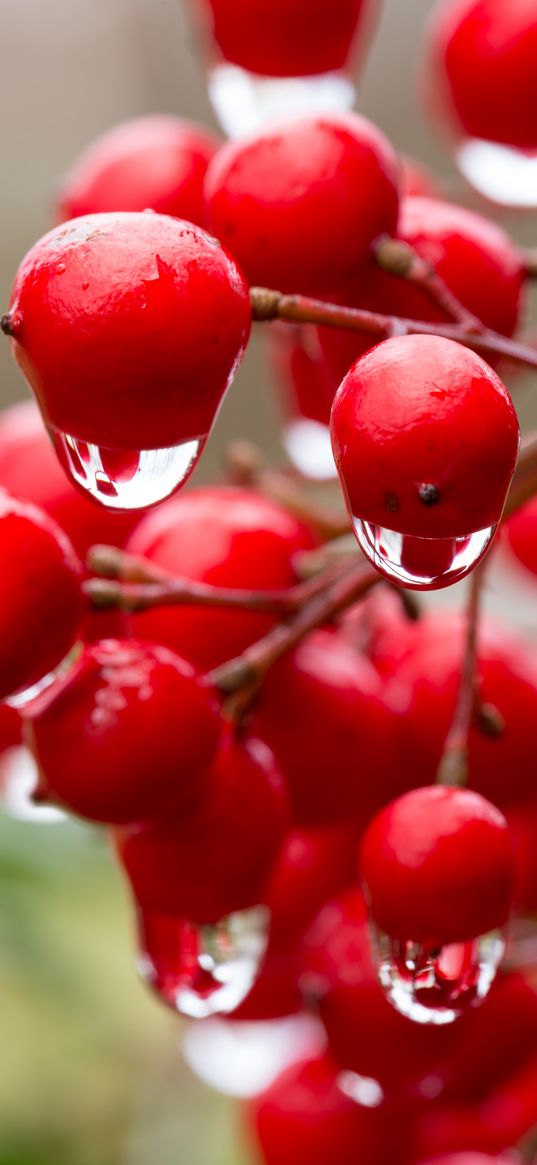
{"x":90,"y":1072}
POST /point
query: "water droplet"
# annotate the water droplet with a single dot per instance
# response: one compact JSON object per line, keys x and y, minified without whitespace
{"x":436,"y":986}
{"x":245,"y":103}
{"x":126,"y":479}
{"x":308,"y":446}
{"x":18,"y":779}
{"x":501,"y":173}
{"x":421,"y":563}
{"x":241,"y":1058}
{"x":202,"y":970}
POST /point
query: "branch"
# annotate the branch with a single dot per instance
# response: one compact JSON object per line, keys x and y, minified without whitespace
{"x":530,"y":262}
{"x":274,"y":305}
{"x":453,"y":767}
{"x":400,"y":259}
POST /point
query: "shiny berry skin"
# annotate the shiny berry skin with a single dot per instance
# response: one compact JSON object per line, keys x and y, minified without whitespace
{"x":154,"y":162}
{"x":287,"y":38}
{"x":428,"y":676}
{"x":10,"y":728}
{"x":128,"y":328}
{"x":474,"y":257}
{"x":218,"y":860}
{"x":438,"y":866}
{"x":126,"y":735}
{"x":425,"y":438}
{"x":226,"y":537}
{"x":481,"y":62}
{"x":343,"y":732}
{"x":30,"y":469}
{"x":305,"y":1118}
{"x":300,"y":205}
{"x":41,"y":602}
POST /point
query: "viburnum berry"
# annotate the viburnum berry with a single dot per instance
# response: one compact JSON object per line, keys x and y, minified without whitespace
{"x":126,"y":735}
{"x":306,"y":1118}
{"x":520,"y":535}
{"x":129,"y":328}
{"x":438,"y":867}
{"x":481,"y":62}
{"x":425,"y":438}
{"x":30,"y":469}
{"x":341,"y":760}
{"x":10,"y":728}
{"x":217,"y":860}
{"x":227,"y":537}
{"x":301,"y":204}
{"x":41,"y":602}
{"x":155,"y":162}
{"x":287,"y":38}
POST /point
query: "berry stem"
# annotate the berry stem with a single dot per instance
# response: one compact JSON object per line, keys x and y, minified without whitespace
{"x":274,"y":305}
{"x":398,"y":258}
{"x":453,"y":767}
{"x":530,"y":262}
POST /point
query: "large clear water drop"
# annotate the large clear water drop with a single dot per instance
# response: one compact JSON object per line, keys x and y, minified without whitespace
{"x":126,"y":479}
{"x":309,"y":448}
{"x":500,"y":173}
{"x":421,"y":564}
{"x":436,"y":986}
{"x":242,"y":1058}
{"x":202,"y":970}
{"x":245,"y":103}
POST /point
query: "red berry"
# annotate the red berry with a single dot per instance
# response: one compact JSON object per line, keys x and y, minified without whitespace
{"x":438,"y":867}
{"x":425,"y":437}
{"x":156,"y":162}
{"x":41,"y":602}
{"x":305,"y":1118}
{"x":520,"y":533}
{"x":469,"y":1157}
{"x":10,"y":728}
{"x":218,"y":860}
{"x":30,"y":469}
{"x":129,"y":328}
{"x":227,"y":537}
{"x":307,"y":384}
{"x":340,"y":760}
{"x":482,"y":65}
{"x":300,"y":205}
{"x":288,"y":38}
{"x":126,"y":735}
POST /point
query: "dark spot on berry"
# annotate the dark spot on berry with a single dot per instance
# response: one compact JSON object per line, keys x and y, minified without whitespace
{"x":391,"y":503}
{"x":429,"y":495}
{"x":6,"y":324}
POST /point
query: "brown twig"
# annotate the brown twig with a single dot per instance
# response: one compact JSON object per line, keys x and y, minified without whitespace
{"x":398,"y":258}
{"x":453,"y":767}
{"x":274,"y":305}
{"x":530,"y":262}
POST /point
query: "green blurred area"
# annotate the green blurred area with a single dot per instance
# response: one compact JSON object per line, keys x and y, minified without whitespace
{"x":91,"y":1071}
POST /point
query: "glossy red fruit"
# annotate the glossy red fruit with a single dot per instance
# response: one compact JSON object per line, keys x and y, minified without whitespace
{"x":313,"y":864}
{"x":156,"y":162}
{"x":520,"y":533}
{"x":219,"y":859}
{"x":425,"y":438}
{"x":288,"y":38}
{"x":341,"y":759}
{"x":300,"y":205}
{"x":126,"y":736}
{"x":30,"y":469}
{"x":481,"y":62}
{"x":474,"y":257}
{"x":41,"y":602}
{"x":365,"y":1033}
{"x":499,"y":744}
{"x":305,"y":1118}
{"x":128,"y":328}
{"x":226,"y":537}
{"x":10,"y":728}
{"x":438,"y":867}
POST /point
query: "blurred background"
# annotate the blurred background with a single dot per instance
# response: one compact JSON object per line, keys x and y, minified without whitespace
{"x":92,"y":1072}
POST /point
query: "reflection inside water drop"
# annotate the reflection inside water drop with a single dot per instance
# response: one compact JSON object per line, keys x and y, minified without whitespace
{"x":244,"y":102}
{"x":126,"y":479}
{"x":436,"y":986}
{"x":421,"y":563}
{"x":501,"y":173}
{"x":202,"y":970}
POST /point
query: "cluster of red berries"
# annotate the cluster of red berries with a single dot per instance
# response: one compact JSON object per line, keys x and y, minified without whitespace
{"x":286,"y":845}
